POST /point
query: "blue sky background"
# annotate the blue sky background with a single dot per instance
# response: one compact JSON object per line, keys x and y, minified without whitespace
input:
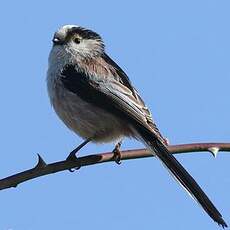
{"x":177,"y":53}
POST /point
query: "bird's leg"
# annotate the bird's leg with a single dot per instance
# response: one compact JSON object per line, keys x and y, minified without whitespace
{"x":72,"y":156}
{"x":117,"y":153}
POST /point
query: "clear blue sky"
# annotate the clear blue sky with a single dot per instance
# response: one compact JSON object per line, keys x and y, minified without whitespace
{"x":177,"y":53}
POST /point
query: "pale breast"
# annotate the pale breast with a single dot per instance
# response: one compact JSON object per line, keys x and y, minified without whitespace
{"x":85,"y":119}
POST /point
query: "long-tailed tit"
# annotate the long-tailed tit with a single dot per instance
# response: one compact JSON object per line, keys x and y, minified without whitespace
{"x":95,"y":98}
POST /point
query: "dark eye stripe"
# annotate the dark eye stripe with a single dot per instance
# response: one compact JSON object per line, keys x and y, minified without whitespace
{"x":84,"y":33}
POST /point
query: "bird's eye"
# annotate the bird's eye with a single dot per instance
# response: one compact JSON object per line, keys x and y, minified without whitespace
{"x":77,"y":40}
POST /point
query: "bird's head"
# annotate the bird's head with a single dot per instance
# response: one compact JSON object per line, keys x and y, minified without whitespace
{"x":78,"y":41}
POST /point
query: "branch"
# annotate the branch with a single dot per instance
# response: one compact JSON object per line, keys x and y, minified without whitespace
{"x":42,"y":168}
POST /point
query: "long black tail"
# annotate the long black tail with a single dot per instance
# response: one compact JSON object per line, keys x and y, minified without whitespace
{"x":181,"y":175}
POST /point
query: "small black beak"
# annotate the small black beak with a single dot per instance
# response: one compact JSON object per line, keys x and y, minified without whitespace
{"x":57,"y":40}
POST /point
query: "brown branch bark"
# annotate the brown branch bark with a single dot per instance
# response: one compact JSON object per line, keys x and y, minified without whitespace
{"x":42,"y":168}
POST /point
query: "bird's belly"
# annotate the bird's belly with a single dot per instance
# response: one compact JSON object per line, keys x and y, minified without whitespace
{"x":87,"y":120}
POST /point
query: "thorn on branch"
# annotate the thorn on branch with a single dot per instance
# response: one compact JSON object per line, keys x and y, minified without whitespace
{"x":41,"y":163}
{"x":214,"y":151}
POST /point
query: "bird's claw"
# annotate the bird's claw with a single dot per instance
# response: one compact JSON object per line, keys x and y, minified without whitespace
{"x":74,"y":169}
{"x":72,"y":157}
{"x":117,"y":153}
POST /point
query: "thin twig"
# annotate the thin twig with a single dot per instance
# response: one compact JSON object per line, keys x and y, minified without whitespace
{"x":42,"y":168}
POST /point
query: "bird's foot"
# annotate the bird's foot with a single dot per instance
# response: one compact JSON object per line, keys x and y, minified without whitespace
{"x":72,"y":156}
{"x":117,"y":153}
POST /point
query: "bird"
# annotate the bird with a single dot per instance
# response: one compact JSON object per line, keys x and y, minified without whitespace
{"x":95,"y":98}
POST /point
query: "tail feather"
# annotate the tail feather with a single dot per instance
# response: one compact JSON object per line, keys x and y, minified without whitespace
{"x":181,"y":175}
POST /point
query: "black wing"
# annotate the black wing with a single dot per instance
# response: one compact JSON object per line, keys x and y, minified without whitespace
{"x":125,"y":80}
